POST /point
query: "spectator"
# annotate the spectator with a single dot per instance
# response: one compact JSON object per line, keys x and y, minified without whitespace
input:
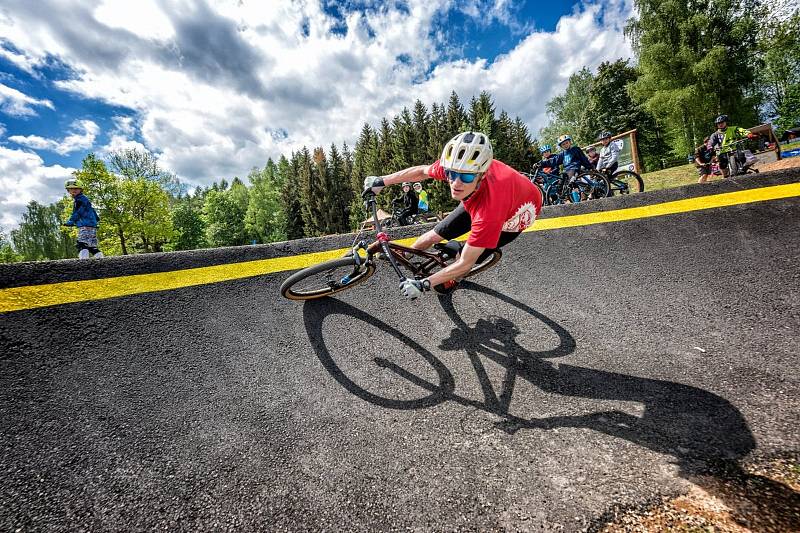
{"x":592,"y":155}
{"x":410,"y":205}
{"x":609,"y":154}
{"x":85,"y":218}
{"x":547,"y":151}
{"x":423,"y":197}
{"x":573,"y":159}
{"x":703,"y":156}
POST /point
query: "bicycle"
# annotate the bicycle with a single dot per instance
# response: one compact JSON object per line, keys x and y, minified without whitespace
{"x":589,"y":185}
{"x":738,"y":161}
{"x":336,"y":275}
{"x":397,"y":220}
{"x":625,"y":182}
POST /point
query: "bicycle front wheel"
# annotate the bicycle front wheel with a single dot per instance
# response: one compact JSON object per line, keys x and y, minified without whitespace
{"x":598,"y":181}
{"x":325,"y":279}
{"x":626,"y":182}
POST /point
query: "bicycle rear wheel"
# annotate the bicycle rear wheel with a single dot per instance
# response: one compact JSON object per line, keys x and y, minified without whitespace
{"x":325,"y":279}
{"x":626,"y":182}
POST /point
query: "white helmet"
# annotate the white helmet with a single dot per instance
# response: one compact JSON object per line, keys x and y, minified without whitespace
{"x":467,"y":152}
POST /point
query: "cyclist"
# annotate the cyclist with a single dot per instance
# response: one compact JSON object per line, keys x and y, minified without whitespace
{"x":496,"y":204}
{"x":85,"y":218}
{"x":547,"y":151}
{"x":723,"y":139}
{"x":423,"y":197}
{"x":703,"y":155}
{"x":410,"y":203}
{"x":573,"y":159}
{"x":592,"y":155}
{"x":609,"y":154}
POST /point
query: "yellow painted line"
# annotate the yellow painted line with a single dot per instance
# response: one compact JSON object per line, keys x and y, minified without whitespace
{"x":33,"y":296}
{"x":670,"y":208}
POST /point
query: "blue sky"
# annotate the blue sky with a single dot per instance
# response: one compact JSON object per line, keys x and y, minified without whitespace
{"x":215,"y":87}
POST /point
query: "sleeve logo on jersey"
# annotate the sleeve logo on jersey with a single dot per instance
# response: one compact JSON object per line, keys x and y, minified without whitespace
{"x":522,"y":219}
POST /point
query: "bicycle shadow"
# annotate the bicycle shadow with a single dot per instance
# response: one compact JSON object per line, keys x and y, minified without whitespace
{"x":705,"y":433}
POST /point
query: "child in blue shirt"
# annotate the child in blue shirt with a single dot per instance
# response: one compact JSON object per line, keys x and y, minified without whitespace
{"x":85,"y":218}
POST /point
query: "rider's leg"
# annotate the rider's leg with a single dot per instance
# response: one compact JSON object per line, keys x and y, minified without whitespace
{"x":505,"y":238}
{"x":723,"y":165}
{"x":457,"y":223}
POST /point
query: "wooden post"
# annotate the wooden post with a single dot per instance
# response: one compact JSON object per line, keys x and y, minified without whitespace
{"x":635,"y":152}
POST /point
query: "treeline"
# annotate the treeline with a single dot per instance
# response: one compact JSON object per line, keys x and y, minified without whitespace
{"x":309,"y":193}
{"x":695,"y":61}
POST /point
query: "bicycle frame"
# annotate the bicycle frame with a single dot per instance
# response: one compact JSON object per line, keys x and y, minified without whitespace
{"x":396,"y":253}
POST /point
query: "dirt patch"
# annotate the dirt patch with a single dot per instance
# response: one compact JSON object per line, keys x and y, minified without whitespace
{"x":762,"y":496}
{"x":786,"y":162}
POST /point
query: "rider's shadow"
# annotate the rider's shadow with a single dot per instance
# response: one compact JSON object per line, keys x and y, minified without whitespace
{"x":686,"y":422}
{"x":705,"y":433}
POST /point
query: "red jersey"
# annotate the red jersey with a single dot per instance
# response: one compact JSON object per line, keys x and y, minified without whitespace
{"x":504,"y":201}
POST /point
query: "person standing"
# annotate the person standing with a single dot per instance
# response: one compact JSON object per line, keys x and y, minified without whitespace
{"x":85,"y":218}
{"x":703,"y":156}
{"x":423,"y":197}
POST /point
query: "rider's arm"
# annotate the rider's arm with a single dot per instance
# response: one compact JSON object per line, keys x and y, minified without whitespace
{"x":469,"y":256}
{"x":417,"y":173}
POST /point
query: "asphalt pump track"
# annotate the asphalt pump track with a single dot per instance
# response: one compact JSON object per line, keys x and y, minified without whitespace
{"x":596,"y":367}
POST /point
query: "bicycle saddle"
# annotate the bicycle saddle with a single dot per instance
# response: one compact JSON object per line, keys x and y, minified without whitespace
{"x":450,"y":249}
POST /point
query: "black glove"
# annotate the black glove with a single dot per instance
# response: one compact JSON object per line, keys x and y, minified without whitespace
{"x":372,"y":186}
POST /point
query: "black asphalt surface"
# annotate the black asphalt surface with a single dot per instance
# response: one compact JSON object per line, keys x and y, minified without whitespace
{"x":595,"y":368}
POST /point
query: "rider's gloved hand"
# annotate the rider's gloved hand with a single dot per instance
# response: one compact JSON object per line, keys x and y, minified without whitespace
{"x":413,"y":288}
{"x":372,"y":185}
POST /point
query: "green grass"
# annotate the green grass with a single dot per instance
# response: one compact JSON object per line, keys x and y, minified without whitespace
{"x":670,"y":177}
{"x":788,"y":147}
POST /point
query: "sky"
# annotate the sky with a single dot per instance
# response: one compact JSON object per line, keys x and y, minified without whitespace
{"x":214,"y":88}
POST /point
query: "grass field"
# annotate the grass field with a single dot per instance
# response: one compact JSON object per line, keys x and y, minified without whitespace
{"x":670,"y":177}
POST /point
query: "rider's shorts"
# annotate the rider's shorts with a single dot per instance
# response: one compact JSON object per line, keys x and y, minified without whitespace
{"x":458,"y":222}
{"x":704,"y":170}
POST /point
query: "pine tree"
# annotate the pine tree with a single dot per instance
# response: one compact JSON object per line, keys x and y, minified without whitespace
{"x":290,"y":195}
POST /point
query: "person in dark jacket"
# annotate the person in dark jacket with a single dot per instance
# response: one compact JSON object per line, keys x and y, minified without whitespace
{"x":410,"y":205}
{"x":703,"y":156}
{"x":85,"y":218}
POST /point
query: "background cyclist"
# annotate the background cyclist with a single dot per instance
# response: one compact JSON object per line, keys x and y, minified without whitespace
{"x":572,"y":158}
{"x":723,"y":139}
{"x":410,"y":205}
{"x":547,"y":152}
{"x":497,"y":203}
{"x":609,"y":154}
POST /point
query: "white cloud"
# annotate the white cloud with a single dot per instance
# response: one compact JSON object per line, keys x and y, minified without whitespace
{"x":212,"y":82}
{"x":18,"y":104}
{"x":82,"y":137}
{"x":25,"y":177}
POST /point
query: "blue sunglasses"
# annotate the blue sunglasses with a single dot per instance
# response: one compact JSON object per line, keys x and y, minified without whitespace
{"x":452,"y":175}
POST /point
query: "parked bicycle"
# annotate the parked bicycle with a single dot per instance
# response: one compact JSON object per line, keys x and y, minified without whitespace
{"x":399,"y":219}
{"x":361,"y":261}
